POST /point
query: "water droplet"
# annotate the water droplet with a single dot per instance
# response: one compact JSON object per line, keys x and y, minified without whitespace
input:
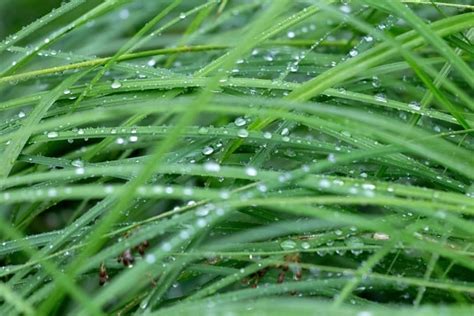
{"x":21,"y":114}
{"x":201,"y":222}
{"x":52,"y":192}
{"x":251,"y":171}
{"x":262,"y":187}
{"x":166,"y":246}
{"x":67,"y":91}
{"x":182,"y":15}
{"x":355,"y":243}
{"x":380,"y":236}
{"x":353,"y":53}
{"x":288,"y":244}
{"x":240,"y":121}
{"x":290,"y":34}
{"x":77,"y":163}
{"x":116,"y":84}
{"x":331,"y":158}
{"x":242,"y":133}
{"x":224,"y":194}
{"x":305,"y":245}
{"x":184,"y":234}
{"x":207,"y":150}
{"x":414,"y":106}
{"x":212,"y":166}
{"x":368,"y":186}
{"x":124,"y":14}
{"x":368,"y":38}
{"x":345,"y":9}
{"x":52,"y":134}
{"x":324,"y":183}
{"x":380,"y":97}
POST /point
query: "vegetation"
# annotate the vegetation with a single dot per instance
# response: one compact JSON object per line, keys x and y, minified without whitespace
{"x":237,"y":157}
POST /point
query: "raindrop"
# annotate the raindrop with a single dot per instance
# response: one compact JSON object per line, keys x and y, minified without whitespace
{"x":240,"y":121}
{"x":166,"y":246}
{"x":414,"y":106}
{"x":124,"y":14}
{"x":305,"y":245}
{"x":331,"y":158}
{"x":355,"y":243}
{"x":380,"y":97}
{"x":21,"y":114}
{"x":288,"y":244}
{"x":116,"y":84}
{"x":380,"y":236}
{"x":251,"y":171}
{"x":202,"y":211}
{"x":268,"y":57}
{"x":345,"y":8}
{"x":324,"y":183}
{"x":368,"y":186}
{"x":224,"y":194}
{"x":368,"y":38}
{"x":212,"y":166}
{"x":294,"y":67}
{"x":207,"y":150}
{"x":52,"y":192}
{"x":201,"y":222}
{"x":77,"y":163}
{"x":52,"y":134}
{"x":184,"y":234}
{"x":203,"y":130}
{"x":262,"y":187}
{"x":242,"y":133}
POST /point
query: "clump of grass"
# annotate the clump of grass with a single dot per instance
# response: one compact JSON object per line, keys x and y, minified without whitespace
{"x":254,"y":157}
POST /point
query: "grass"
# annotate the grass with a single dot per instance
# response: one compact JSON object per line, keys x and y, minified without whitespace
{"x":238,"y":157}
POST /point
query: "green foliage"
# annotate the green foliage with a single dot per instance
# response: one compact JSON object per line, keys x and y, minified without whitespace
{"x":243,"y":157}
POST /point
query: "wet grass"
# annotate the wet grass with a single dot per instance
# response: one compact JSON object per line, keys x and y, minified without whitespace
{"x":248,"y":157}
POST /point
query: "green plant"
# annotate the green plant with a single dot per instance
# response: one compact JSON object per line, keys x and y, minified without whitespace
{"x":254,"y":157}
